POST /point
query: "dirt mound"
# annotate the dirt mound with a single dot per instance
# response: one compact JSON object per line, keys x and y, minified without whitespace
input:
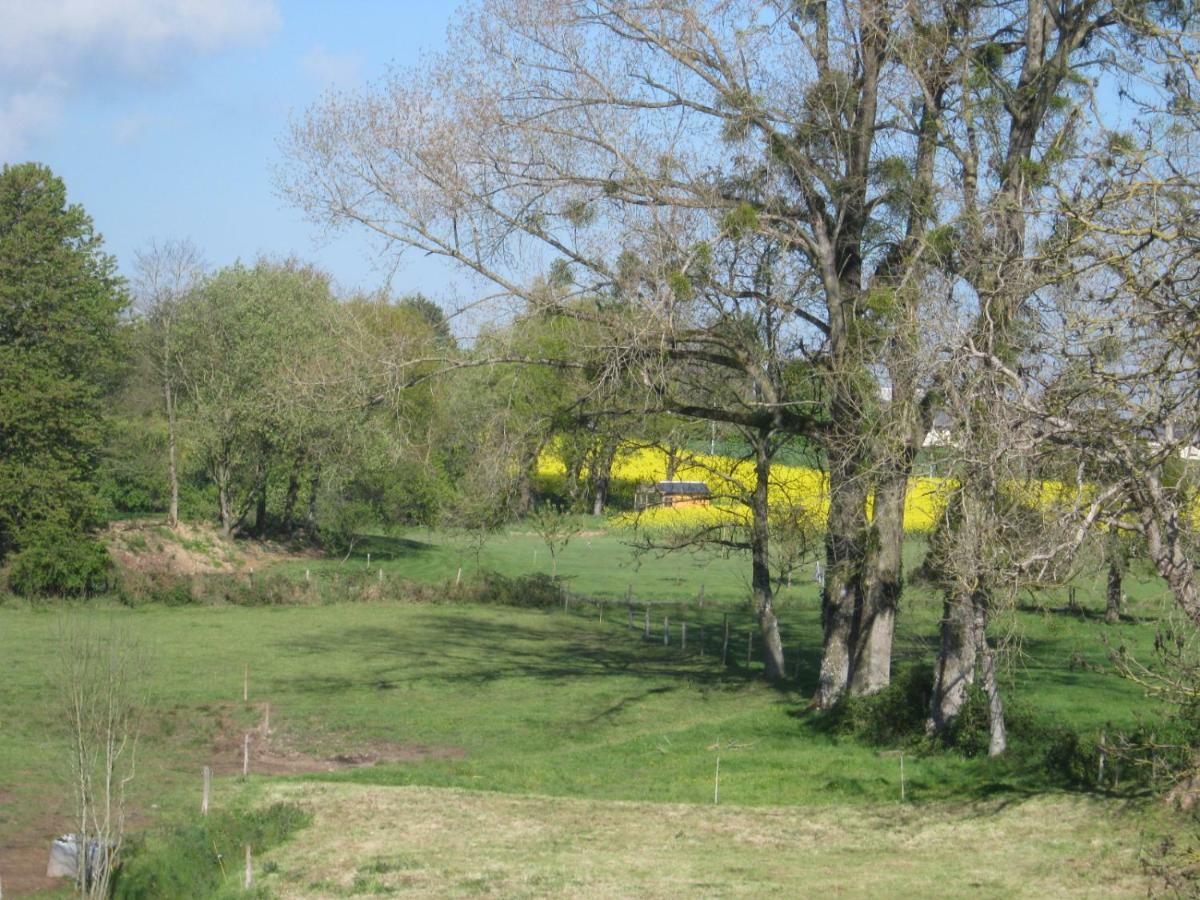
{"x":186,"y":550}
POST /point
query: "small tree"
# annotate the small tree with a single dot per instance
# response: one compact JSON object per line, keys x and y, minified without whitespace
{"x":556,"y":529}
{"x":100,"y":688}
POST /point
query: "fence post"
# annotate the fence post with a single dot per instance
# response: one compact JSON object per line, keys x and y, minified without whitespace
{"x":246,"y":684}
{"x":647,"y":621}
{"x":206,"y":773}
{"x":666,"y":631}
{"x":683,"y":636}
{"x":725,"y":643}
{"x":246,"y":755}
{"x":249,"y":879}
{"x":1100,"y":772}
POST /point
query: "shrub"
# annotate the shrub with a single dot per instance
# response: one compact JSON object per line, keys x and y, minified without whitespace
{"x":537,"y":591}
{"x":138,"y":588}
{"x":56,"y":561}
{"x":895,"y":715}
{"x":195,"y":860}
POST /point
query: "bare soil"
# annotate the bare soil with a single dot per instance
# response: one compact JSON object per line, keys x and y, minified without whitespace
{"x":274,"y":752}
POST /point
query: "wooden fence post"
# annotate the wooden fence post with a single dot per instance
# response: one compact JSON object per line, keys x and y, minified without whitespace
{"x":246,"y":684}
{"x":246,"y":755}
{"x":647,"y":622}
{"x":206,"y":774}
{"x":666,"y":631}
{"x":683,"y":636}
{"x":248,"y":882}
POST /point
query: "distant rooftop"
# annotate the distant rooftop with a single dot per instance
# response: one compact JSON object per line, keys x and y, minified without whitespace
{"x":682,"y":487}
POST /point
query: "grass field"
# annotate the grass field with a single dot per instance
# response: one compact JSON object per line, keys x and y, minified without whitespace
{"x":588,"y":724}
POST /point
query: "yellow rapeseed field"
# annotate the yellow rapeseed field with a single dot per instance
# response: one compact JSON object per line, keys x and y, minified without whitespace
{"x":797,"y":492}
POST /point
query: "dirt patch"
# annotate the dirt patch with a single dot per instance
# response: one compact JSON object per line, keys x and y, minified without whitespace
{"x":24,"y":855}
{"x":274,"y":752}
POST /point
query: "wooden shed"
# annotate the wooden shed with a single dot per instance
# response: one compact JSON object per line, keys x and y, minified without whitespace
{"x":672,"y":493}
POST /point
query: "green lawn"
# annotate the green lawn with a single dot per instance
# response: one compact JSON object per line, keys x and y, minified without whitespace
{"x":543,"y":703}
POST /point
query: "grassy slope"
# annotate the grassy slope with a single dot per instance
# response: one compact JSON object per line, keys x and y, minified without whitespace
{"x":543,"y":703}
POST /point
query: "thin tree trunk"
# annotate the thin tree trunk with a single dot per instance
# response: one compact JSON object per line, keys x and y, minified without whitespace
{"x":223,"y":501}
{"x":172,"y":468}
{"x":764,"y":600}
{"x":955,"y":670}
{"x":601,"y":475}
{"x":289,"y":499}
{"x":1112,"y":611}
{"x":997,"y":733}
{"x":260,"y":509}
{"x":314,"y":486}
{"x":672,"y":461}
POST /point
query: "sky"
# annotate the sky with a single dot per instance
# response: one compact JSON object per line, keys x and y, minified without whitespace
{"x":163,"y":117}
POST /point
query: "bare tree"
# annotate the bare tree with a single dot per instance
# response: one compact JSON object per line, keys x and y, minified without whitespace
{"x":164,"y":274}
{"x":101,"y":688}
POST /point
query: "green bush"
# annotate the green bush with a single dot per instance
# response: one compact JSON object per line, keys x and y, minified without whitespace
{"x":139,"y":588}
{"x":55,"y":561}
{"x":199,"y":860}
{"x":537,"y":591}
{"x":895,"y":715}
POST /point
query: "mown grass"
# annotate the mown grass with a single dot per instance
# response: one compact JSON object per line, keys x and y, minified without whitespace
{"x":557,"y":703}
{"x":370,"y":841}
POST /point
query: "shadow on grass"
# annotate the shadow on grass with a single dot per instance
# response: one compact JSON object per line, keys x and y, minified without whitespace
{"x":386,"y":548}
{"x":474,"y":651}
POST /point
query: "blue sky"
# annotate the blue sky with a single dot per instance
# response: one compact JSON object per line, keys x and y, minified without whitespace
{"x":163,"y":116}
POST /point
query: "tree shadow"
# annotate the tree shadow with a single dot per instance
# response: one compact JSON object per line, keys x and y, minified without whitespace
{"x":386,"y":548}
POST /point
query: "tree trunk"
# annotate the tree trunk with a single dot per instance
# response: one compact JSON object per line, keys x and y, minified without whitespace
{"x":871,"y":670}
{"x":840,"y":599}
{"x":997,"y":733}
{"x":223,"y":501}
{"x":260,"y":509}
{"x":1112,"y":612}
{"x":172,"y":469}
{"x":955,"y":670}
{"x":601,"y":477}
{"x":289,"y":499}
{"x":314,"y":486}
{"x":764,"y":599}
{"x":672,"y":461}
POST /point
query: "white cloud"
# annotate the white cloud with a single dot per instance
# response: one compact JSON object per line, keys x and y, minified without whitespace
{"x":50,"y":49}
{"x":329,"y":69}
{"x":27,"y":114}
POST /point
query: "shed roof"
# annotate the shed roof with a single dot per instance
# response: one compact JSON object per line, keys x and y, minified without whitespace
{"x":682,"y":487}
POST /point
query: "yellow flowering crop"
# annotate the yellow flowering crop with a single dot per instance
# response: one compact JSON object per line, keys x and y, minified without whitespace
{"x":799,"y":492}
